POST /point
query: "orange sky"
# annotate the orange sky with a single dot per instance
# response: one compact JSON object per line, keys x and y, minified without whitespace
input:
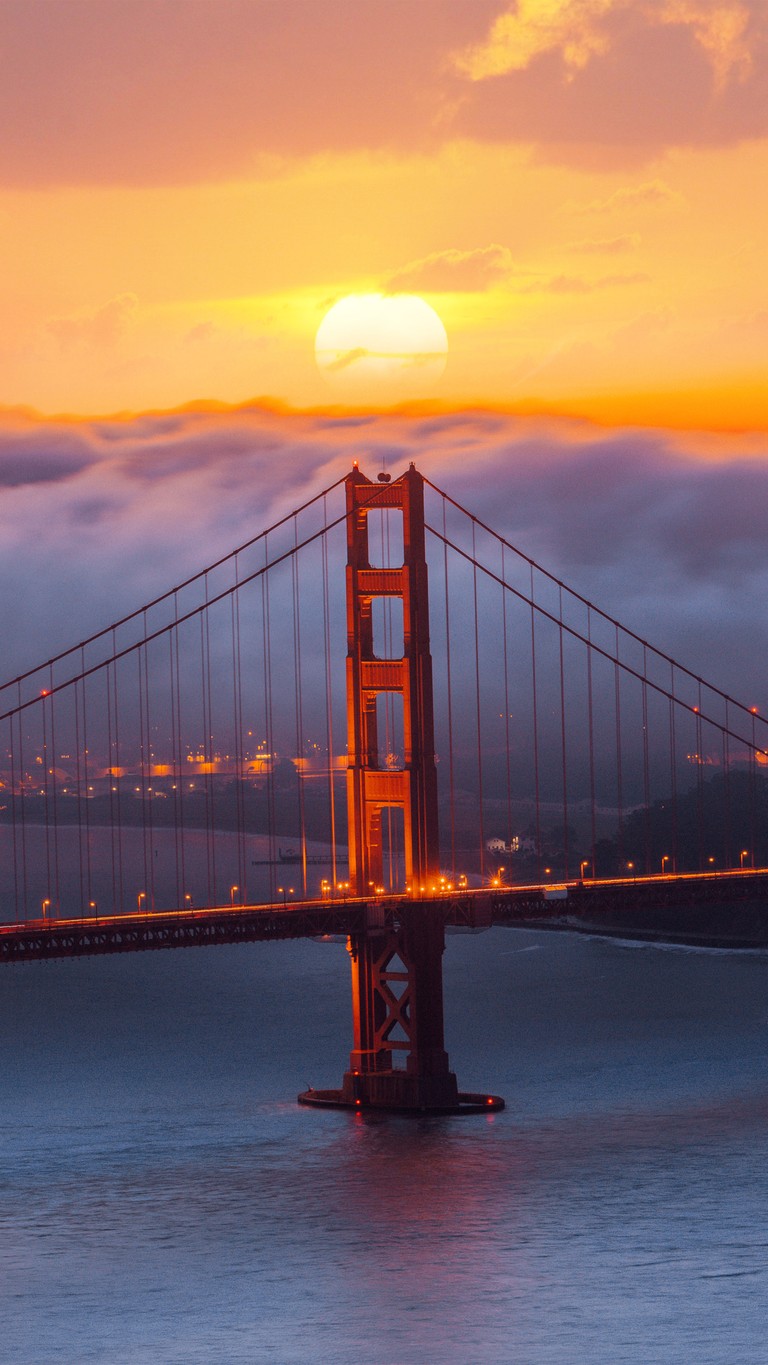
{"x":579,"y":188}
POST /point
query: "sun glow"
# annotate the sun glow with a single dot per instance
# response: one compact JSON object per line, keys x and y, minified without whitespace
{"x":377,"y":343}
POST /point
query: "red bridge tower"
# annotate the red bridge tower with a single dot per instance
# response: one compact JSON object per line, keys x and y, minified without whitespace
{"x":397,"y":981}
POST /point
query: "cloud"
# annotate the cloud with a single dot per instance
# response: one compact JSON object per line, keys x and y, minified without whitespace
{"x":607,"y":246}
{"x":577,"y":31}
{"x":219,"y":91}
{"x":649,"y":194}
{"x":28,"y":458}
{"x":721,"y":29}
{"x":202,"y":331}
{"x":101,"y":328}
{"x":453,"y":271}
{"x":342,"y":362}
{"x":608,"y":83}
{"x":667,"y":532}
{"x":531,"y":28}
{"x":573,"y":284}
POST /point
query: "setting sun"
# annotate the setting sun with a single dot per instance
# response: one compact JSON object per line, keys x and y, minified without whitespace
{"x":377,"y":342}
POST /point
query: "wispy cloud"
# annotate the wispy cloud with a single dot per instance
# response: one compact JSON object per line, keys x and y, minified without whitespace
{"x":607,"y":246}
{"x":650,"y":194}
{"x":453,"y":271}
{"x":347,"y":358}
{"x":574,"y":284}
{"x":100,"y":327}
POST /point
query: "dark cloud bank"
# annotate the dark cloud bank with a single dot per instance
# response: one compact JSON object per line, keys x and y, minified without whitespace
{"x":665,"y":531}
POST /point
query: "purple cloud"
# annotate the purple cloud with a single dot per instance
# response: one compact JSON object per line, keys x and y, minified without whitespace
{"x":662,"y":530}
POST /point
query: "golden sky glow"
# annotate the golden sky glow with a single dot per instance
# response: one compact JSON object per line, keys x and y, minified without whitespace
{"x":578,"y":188}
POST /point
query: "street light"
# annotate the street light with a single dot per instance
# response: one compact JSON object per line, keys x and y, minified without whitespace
{"x":584,"y":863}
{"x":631,"y":868}
{"x":46,"y":908}
{"x":232,"y":891}
{"x":142,"y":896}
{"x":664,"y":860}
{"x":742,"y":856}
{"x":187,"y":900}
{"x":92,"y":907}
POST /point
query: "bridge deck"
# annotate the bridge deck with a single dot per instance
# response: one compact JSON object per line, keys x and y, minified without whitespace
{"x":716,"y":908}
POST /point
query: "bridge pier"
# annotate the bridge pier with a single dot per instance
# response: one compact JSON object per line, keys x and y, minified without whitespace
{"x":397,"y":994}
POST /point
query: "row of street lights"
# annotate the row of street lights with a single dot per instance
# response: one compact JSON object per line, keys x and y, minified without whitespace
{"x":327,"y":890}
{"x":498,"y":880}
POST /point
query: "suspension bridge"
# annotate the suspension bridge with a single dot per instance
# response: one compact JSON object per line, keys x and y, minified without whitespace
{"x":500,"y":751}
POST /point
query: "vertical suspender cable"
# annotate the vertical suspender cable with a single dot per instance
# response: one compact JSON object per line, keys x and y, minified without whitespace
{"x":506,"y":698}
{"x":79,"y":796}
{"x":151,"y":783}
{"x":180,"y":752}
{"x":699,"y":781}
{"x":55,"y":795}
{"x":111,"y":780}
{"x":23,"y":776}
{"x":673,"y":763}
{"x":566,"y":840}
{"x":118,"y":782}
{"x":477,"y":707}
{"x":210,"y":742}
{"x":591,"y":726}
{"x":301,"y":756}
{"x":240,"y":753}
{"x":175,"y":773}
{"x":267,"y":629}
{"x":723,"y":849}
{"x":13,"y":821}
{"x":752,"y":792}
{"x":329,"y":698}
{"x":619,"y":778}
{"x":237,"y":746}
{"x":143,"y":780}
{"x":451,"y":774}
{"x":535,"y":720}
{"x":211,"y":890}
{"x":46,"y":814}
{"x":646,"y":769}
{"x":728,"y":851}
{"x":89,"y":882}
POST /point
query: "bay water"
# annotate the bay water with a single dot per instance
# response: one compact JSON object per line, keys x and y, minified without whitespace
{"x":164,"y":1199}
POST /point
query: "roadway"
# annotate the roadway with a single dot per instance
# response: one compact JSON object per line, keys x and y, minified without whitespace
{"x":718,"y":909}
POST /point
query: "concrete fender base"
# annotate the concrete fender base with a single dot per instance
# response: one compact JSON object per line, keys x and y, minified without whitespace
{"x":469,"y":1102}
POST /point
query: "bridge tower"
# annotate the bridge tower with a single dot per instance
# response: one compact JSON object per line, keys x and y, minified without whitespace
{"x":397,"y":979}
{"x":371,"y":789}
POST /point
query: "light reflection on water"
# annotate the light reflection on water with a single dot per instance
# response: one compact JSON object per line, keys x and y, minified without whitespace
{"x":164,"y":1199}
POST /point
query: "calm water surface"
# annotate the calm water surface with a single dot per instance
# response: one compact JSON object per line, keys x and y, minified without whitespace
{"x":163,"y":1198}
